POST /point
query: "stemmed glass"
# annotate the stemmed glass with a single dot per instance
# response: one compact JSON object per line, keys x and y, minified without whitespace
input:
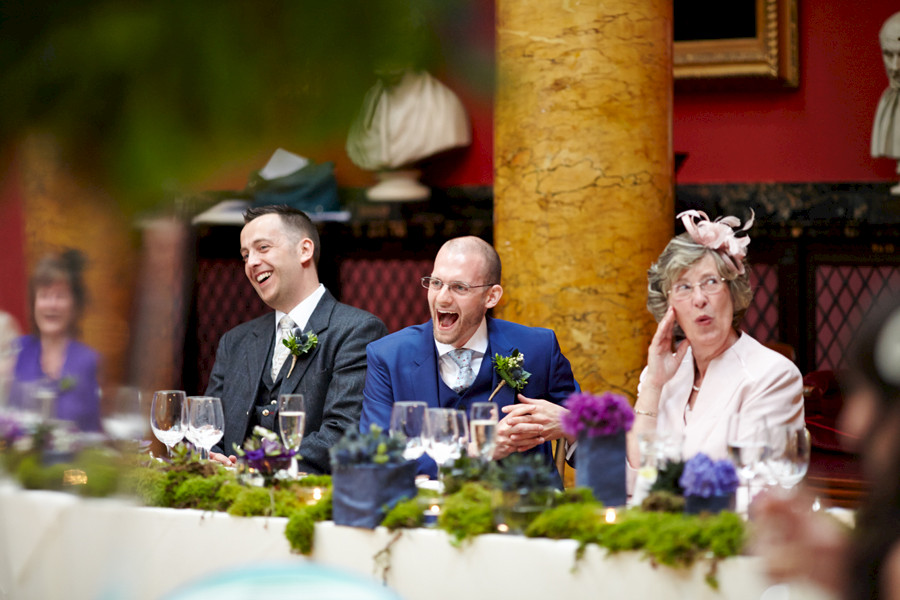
{"x":483,"y":427}
{"x":168,"y":417}
{"x":206,"y":424}
{"x":747,"y":448}
{"x":408,"y":422}
{"x":789,"y":457}
{"x":291,"y":422}
{"x":462,"y":432}
{"x":441,"y":435}
{"x":123,"y":419}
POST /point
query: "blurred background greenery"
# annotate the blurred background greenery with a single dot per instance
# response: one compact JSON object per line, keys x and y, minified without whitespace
{"x":150,"y":97}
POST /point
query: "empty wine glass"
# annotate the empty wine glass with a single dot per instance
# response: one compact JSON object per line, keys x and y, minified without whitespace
{"x":789,"y":458}
{"x":747,"y":441}
{"x":207,"y":423}
{"x":483,"y":429}
{"x":291,"y":422}
{"x":441,"y":435}
{"x":462,"y":432}
{"x":168,"y":417}
{"x":123,"y":418}
{"x":408,"y":422}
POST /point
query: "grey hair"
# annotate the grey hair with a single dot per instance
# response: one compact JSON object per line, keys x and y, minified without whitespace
{"x":681,"y":253}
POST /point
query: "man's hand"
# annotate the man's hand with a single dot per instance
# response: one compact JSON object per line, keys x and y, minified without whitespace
{"x":228,"y":461}
{"x":528,"y":424}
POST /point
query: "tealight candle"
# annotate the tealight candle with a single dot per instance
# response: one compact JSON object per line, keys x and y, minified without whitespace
{"x":431,"y":514}
{"x":610,"y":515}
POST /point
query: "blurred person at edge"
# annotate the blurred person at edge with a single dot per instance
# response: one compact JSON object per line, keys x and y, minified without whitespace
{"x":9,"y":349}
{"x":701,"y":368}
{"x":51,"y":353}
{"x":797,"y":543}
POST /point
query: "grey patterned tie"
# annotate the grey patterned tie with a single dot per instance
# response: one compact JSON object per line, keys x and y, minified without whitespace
{"x":465,"y":375}
{"x":281,"y":351}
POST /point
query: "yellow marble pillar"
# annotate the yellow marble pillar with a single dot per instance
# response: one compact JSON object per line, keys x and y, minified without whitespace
{"x":583,"y":178}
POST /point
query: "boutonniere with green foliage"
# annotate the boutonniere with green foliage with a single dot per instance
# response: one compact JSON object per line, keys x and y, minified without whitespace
{"x":510,"y":370}
{"x":67,"y":383}
{"x":300,"y":344}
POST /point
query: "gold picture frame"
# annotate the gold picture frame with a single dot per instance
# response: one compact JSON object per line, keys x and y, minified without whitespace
{"x":771,"y":56}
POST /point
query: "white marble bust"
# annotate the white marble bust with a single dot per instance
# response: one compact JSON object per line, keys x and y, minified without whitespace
{"x":886,"y":128}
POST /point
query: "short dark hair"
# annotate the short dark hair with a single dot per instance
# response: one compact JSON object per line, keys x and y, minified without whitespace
{"x":66,"y":267}
{"x":296,"y":222}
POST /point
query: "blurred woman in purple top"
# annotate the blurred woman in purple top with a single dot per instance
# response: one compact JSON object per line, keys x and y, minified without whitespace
{"x":51,"y":353}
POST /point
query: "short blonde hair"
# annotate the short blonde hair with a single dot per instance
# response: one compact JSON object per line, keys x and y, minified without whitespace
{"x":681,"y":253}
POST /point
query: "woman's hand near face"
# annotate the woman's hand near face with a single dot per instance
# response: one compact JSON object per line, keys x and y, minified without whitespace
{"x":662,"y":363}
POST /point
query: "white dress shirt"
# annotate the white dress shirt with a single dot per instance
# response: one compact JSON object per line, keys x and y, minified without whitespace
{"x":300,"y":314}
{"x":478,"y":344}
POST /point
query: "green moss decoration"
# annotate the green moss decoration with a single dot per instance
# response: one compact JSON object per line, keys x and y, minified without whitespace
{"x":667,"y":478}
{"x":467,"y":513}
{"x":301,"y":526}
{"x":35,"y":476}
{"x":148,"y":484}
{"x":661,"y":501}
{"x":300,"y":530}
{"x":251,"y":502}
{"x":583,"y":522}
{"x":321,"y":481}
{"x":407,"y":514}
{"x":201,"y":492}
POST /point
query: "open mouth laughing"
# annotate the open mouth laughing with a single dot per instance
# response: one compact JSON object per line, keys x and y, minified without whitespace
{"x":446,"y":320}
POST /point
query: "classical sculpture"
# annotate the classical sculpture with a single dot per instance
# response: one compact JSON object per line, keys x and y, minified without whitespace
{"x":886,"y":128}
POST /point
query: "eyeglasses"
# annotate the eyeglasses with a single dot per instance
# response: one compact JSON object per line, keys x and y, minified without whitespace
{"x":458,"y":288}
{"x":709,"y":286}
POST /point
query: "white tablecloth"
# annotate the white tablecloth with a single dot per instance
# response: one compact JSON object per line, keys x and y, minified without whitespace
{"x":54,"y":545}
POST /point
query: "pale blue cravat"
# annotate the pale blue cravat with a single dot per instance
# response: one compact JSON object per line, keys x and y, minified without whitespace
{"x":465,"y":375}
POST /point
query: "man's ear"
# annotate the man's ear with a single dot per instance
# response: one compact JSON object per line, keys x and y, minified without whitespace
{"x":493,"y":296}
{"x":306,"y":250}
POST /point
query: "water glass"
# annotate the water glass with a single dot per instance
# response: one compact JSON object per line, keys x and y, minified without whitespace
{"x":462,"y":432}
{"x":168,"y":417}
{"x":123,"y":418}
{"x":789,"y":458}
{"x":483,"y":420}
{"x":747,"y":445}
{"x":408,"y":422}
{"x":206,"y":424}
{"x":441,"y":435}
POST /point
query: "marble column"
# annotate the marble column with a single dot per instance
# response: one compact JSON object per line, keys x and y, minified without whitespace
{"x":583,"y":179}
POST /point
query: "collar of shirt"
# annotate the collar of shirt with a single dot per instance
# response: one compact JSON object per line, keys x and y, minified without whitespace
{"x":300,"y":314}
{"x":478,"y":343}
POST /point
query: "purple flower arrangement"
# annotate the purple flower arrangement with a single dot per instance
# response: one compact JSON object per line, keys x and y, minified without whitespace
{"x":593,"y":416}
{"x":264,"y":452}
{"x":706,"y":478}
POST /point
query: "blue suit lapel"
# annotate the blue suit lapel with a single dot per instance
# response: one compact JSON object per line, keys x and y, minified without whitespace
{"x":498,"y":344}
{"x":423,"y":376}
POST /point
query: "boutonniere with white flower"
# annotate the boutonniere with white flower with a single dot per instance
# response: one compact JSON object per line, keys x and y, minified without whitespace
{"x":510,"y":370}
{"x":300,"y":344}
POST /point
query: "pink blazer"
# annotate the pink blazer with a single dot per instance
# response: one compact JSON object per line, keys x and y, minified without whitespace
{"x":748,"y":378}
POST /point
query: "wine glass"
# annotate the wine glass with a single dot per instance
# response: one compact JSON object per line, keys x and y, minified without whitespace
{"x":206,"y":424}
{"x":462,"y":432}
{"x":123,"y":419}
{"x":441,"y":435}
{"x":408,"y":422}
{"x":168,"y":417}
{"x":790,"y":451}
{"x":483,"y":429}
{"x":291,"y":422}
{"x":747,"y":448}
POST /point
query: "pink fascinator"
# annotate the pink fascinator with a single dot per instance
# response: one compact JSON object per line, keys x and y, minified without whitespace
{"x":719,"y":235}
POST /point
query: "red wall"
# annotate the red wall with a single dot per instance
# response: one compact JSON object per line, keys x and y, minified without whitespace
{"x":818,"y":132}
{"x":12,"y":259}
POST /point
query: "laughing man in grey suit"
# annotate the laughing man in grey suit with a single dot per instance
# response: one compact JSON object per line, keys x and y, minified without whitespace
{"x":280,"y":248}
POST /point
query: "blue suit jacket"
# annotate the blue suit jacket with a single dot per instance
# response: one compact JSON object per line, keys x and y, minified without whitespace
{"x":403,"y":366}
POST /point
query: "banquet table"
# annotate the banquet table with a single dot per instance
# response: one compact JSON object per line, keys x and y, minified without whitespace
{"x":57,"y":545}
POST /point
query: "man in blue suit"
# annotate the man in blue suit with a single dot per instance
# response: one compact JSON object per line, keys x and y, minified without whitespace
{"x":417,"y":363}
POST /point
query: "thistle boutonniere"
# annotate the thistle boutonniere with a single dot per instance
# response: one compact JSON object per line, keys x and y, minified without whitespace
{"x":67,"y":383}
{"x":510,"y":370}
{"x":300,"y":344}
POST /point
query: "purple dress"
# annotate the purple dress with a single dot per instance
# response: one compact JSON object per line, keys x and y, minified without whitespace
{"x":78,"y":396}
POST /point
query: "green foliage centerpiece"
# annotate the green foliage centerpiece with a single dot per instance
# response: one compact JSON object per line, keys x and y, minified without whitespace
{"x":369,"y":476}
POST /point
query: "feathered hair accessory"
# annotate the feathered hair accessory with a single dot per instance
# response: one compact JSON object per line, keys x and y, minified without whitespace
{"x":719,"y":235}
